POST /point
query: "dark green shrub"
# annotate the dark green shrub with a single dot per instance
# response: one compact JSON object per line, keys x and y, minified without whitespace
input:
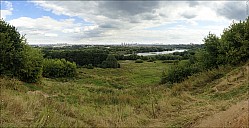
{"x":31,"y":71}
{"x":55,"y":68}
{"x":178,"y":73}
{"x":151,"y":59}
{"x":110,"y":62}
{"x":89,"y":66}
{"x":144,"y":57}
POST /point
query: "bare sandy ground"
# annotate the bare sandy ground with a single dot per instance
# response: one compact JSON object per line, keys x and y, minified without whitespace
{"x":236,"y":116}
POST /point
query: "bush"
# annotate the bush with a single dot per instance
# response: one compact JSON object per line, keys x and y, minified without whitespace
{"x":178,"y":73}
{"x":55,"y":68}
{"x":197,"y":81}
{"x":151,"y":59}
{"x":144,"y":57}
{"x":139,"y":61}
{"x":110,"y":62}
{"x":32,"y":70}
{"x":89,"y":66}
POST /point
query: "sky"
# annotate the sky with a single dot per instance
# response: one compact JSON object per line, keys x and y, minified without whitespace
{"x":116,"y":22}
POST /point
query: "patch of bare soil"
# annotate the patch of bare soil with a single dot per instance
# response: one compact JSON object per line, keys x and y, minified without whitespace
{"x":236,"y":116}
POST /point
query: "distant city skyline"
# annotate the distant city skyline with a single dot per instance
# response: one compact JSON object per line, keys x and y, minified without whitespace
{"x":116,"y":22}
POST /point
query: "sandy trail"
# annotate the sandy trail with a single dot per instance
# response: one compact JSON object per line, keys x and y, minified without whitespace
{"x":236,"y":116}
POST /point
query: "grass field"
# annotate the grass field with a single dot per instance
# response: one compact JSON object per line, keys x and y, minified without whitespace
{"x":127,"y":97}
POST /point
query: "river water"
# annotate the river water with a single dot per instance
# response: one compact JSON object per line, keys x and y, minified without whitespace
{"x":158,"y":53}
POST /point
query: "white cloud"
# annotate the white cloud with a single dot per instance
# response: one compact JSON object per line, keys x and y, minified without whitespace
{"x":58,"y":31}
{"x":51,"y":7}
{"x":8,"y":11}
{"x":51,"y":35}
{"x":126,"y":21}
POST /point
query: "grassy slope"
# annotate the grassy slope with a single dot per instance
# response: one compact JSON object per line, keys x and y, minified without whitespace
{"x":129,"y":96}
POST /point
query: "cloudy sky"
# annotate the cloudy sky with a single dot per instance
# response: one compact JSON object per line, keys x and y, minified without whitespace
{"x":115,"y":22}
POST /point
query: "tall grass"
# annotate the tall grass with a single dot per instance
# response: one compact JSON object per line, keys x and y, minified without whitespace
{"x":95,"y":100}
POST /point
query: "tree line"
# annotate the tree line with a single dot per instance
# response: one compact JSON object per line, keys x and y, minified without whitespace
{"x":96,"y":56}
{"x":80,"y":57}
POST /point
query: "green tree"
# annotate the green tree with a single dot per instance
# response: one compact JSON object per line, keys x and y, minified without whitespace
{"x":231,"y":48}
{"x":11,"y":44}
{"x":17,"y":59}
{"x":212,"y":44}
{"x":235,"y":43}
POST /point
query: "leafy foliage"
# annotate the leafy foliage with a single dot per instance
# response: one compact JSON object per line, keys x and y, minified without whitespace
{"x":11,"y":45}
{"x":235,"y":43}
{"x":80,"y":57}
{"x":32,"y":69}
{"x":89,"y":66}
{"x":84,"y":55}
{"x":110,"y":62}
{"x":231,"y":48}
{"x":17,"y":59}
{"x":178,"y":73}
{"x":55,"y":68}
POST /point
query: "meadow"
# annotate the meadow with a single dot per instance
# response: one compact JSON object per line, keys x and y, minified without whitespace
{"x":102,"y":86}
{"x":130,"y":96}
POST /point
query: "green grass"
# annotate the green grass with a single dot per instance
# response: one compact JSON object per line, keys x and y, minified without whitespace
{"x":126,"y":97}
{"x":231,"y":93}
{"x":129,"y":74}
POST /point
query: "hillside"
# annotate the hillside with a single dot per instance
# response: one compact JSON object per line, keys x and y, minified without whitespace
{"x":238,"y":114}
{"x":235,"y":116}
{"x":125,"y":97}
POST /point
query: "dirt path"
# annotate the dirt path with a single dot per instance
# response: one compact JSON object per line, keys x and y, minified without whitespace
{"x":236,"y":116}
